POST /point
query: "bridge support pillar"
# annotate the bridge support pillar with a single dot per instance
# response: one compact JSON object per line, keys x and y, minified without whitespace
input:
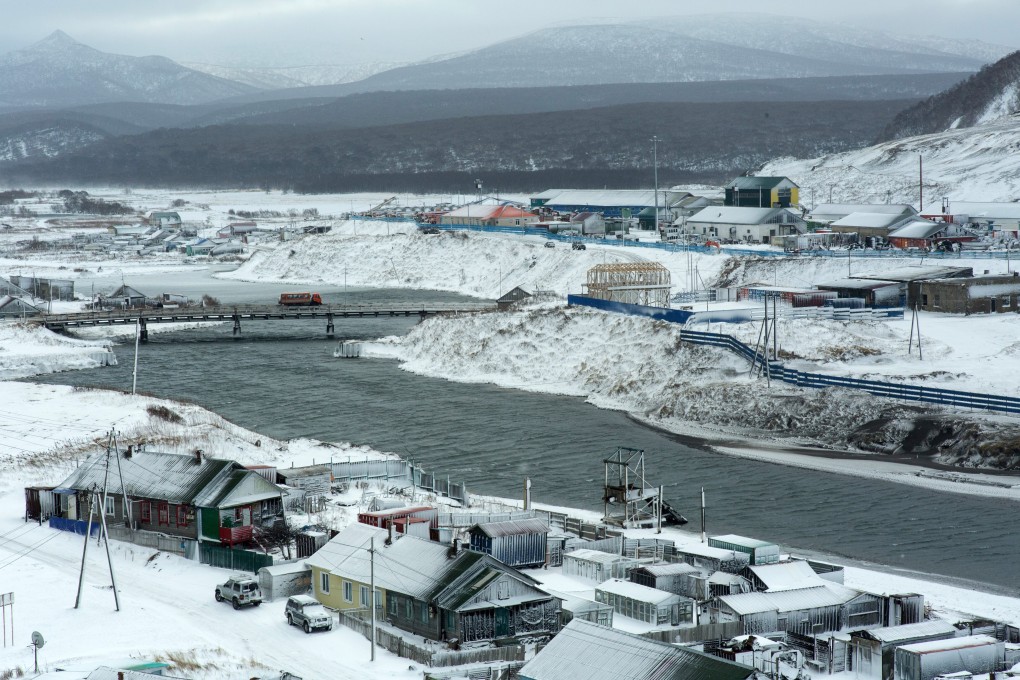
{"x":237,"y":324}
{"x":143,"y":330}
{"x":329,"y":325}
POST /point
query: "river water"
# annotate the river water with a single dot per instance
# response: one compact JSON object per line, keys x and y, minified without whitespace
{"x":280,"y":378}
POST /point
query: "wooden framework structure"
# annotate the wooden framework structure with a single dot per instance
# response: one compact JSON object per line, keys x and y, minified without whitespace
{"x":636,"y":283}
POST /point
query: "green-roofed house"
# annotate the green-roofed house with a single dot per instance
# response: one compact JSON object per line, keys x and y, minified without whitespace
{"x":187,"y":495}
{"x":431,"y":589}
{"x":762,"y":192}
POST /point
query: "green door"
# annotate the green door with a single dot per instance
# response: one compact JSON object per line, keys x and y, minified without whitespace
{"x":502,"y":622}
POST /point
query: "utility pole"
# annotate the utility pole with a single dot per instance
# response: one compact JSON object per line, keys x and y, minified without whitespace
{"x":134,"y":371}
{"x":123,"y":486}
{"x":97,"y":504}
{"x":371,"y":572}
{"x":655,"y":164}
{"x":920,"y":183}
{"x":704,"y":536}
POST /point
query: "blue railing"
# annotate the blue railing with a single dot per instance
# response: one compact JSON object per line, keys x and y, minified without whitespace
{"x":728,"y":250}
{"x":931,"y":395}
{"x":77,"y":526}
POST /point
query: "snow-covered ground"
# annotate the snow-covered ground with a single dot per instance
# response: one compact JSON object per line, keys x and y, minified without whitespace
{"x":615,"y":361}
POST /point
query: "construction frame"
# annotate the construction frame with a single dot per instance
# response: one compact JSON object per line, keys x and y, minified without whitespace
{"x":636,"y":283}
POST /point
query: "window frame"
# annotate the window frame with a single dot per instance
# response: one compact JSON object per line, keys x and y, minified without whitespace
{"x":182,"y":515}
{"x":110,"y":506}
{"x":324,"y":582}
{"x":364,"y":596}
{"x":164,"y":513}
{"x":146,"y":512}
{"x":348,"y":589}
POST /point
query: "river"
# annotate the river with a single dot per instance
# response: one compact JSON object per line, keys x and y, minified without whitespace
{"x":280,"y":378}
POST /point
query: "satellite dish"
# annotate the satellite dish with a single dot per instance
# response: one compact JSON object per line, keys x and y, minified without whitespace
{"x":37,"y":639}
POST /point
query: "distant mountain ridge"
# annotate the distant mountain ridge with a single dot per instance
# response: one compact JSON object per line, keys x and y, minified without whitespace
{"x":59,"y":71}
{"x":990,"y":94}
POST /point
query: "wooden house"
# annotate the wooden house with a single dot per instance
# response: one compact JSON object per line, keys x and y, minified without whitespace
{"x":673,"y":577}
{"x":511,"y":297}
{"x":517,"y":543}
{"x":975,"y":654}
{"x":170,"y":219}
{"x":873,"y":650}
{"x":636,"y":601}
{"x":574,"y":606}
{"x":187,"y":495}
{"x":430,"y":589}
{"x":593,"y":652}
{"x":709,"y":559}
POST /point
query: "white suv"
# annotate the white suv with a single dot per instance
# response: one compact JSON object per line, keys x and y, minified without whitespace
{"x":305,"y":611}
{"x":240,"y":590}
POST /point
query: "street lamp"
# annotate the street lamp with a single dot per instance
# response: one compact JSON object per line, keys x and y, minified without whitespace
{"x":655,"y":166}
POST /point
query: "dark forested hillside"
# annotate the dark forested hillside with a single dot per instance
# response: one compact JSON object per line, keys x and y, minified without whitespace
{"x":594,"y":147}
{"x":992,"y":92}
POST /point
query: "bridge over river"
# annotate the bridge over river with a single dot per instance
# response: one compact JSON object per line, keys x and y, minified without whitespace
{"x":235,"y":314}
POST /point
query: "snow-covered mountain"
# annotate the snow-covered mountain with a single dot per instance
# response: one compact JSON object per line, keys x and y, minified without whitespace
{"x":59,"y":71}
{"x":681,"y":49}
{"x":988,"y":95}
{"x":980,"y":163}
{"x":295,"y":76}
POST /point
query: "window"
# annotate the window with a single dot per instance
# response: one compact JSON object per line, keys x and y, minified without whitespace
{"x":364,"y":596}
{"x":324,"y":582}
{"x":424,"y":613}
{"x":164,"y":513}
{"x":393,"y":604}
{"x":504,"y":590}
{"x":110,"y":506}
{"x":348,"y":591}
{"x":409,"y":609}
{"x":182,"y":515}
{"x":146,"y":511}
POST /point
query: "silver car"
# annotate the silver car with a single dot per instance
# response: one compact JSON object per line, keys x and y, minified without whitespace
{"x":305,"y":611}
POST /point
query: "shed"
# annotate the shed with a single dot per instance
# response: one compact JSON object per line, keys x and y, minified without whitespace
{"x":646,"y":604}
{"x":514,"y":295}
{"x":16,"y":307}
{"x":126,"y":296}
{"x":782,"y":576}
{"x":597,"y":566}
{"x":805,"y":611}
{"x":759,"y":552}
{"x":593,"y":652}
{"x":873,"y":650}
{"x":725,"y":583}
{"x":412,"y":526}
{"x":874,"y":292}
{"x":517,"y":543}
{"x":573,"y":606}
{"x":308,"y":542}
{"x":40,"y":503}
{"x":382,"y":518}
{"x":925,"y":660}
{"x":978,"y":295}
{"x":284,"y":580}
{"x":711,"y":559}
{"x":314,"y":480}
{"x":672,"y":577}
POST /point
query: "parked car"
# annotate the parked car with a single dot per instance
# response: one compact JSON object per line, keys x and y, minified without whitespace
{"x":305,"y":611}
{"x":550,"y":244}
{"x":241,"y":591}
{"x":430,"y":230}
{"x":578,"y":246}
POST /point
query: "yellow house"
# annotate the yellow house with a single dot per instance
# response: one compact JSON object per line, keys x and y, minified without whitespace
{"x":762,"y":192}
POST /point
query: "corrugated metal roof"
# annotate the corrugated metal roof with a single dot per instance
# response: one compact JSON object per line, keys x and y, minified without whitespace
{"x":858,"y":284}
{"x":871,"y":220}
{"x":934,"y":646}
{"x":786,"y":575}
{"x":916,"y":273}
{"x":911,"y":631}
{"x":635,"y":591}
{"x":726,"y":214}
{"x":513,"y":527}
{"x":598,"y":556}
{"x":917,"y":229}
{"x":844,"y":209}
{"x":788,"y":600}
{"x":742,"y":541}
{"x":593,"y":652}
{"x":1002,"y":211}
{"x":667,"y":569}
{"x":703,"y":550}
{"x":172,"y":477}
{"x":755,"y":183}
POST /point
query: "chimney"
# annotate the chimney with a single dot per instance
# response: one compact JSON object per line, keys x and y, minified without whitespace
{"x":130,"y":450}
{"x":389,"y":541}
{"x":198,"y":456}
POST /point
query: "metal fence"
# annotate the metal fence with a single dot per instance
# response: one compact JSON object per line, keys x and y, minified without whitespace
{"x":428,"y":656}
{"x":152,"y":539}
{"x":397,"y":469}
{"x":700,"y":633}
{"x":77,"y":526}
{"x":230,"y":558}
{"x":931,"y":395}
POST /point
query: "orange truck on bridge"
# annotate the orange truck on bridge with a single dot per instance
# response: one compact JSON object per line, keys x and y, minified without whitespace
{"x":300,"y":299}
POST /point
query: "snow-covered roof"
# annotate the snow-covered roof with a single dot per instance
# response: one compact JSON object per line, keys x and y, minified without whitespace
{"x":858,"y":284}
{"x":786,"y":575}
{"x":934,"y":646}
{"x":911,"y":631}
{"x":844,"y":209}
{"x":173,"y":477}
{"x":918,"y":229}
{"x":743,"y":541}
{"x":754,"y":183}
{"x":871,"y":220}
{"x":988,"y":211}
{"x":587,"y":650}
{"x":410,"y":565}
{"x":613,"y":198}
{"x":724,"y":214}
{"x":670,"y":569}
{"x":636,"y":591}
{"x":513,"y":527}
{"x":916,"y":273}
{"x":708,"y":551}
{"x":590,"y":555}
{"x":789,"y":600}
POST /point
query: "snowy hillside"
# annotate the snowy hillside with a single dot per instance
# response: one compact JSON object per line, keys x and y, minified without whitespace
{"x":969,"y":164}
{"x":269,"y":78}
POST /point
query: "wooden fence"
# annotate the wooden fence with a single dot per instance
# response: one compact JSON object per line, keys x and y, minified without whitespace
{"x":700,"y":633}
{"x":429,"y":656}
{"x":153,"y":539}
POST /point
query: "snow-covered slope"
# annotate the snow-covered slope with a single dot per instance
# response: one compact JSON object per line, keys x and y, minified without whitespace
{"x":981,"y":163}
{"x":59,"y":71}
{"x":269,"y":78}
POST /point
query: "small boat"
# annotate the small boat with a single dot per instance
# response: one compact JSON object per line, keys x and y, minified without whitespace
{"x":347,"y":350}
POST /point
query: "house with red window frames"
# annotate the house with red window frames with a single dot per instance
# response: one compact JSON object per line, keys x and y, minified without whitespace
{"x":187,"y":495}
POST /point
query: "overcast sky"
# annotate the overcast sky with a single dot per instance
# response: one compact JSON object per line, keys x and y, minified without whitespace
{"x":300,"y":32}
